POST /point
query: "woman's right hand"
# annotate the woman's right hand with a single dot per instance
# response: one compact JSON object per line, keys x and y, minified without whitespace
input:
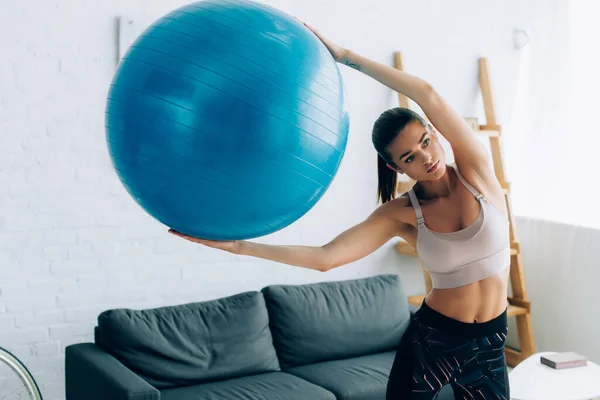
{"x":231,"y":246}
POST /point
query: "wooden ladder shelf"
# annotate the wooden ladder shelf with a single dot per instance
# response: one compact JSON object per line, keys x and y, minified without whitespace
{"x":519,"y":306}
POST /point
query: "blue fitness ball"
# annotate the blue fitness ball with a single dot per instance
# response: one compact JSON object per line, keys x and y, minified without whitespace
{"x":226,"y":119}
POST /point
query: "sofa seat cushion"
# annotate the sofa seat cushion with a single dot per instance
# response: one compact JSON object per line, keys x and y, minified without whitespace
{"x":329,"y":321}
{"x":193,"y":343}
{"x":270,"y":386}
{"x":359,"y":378}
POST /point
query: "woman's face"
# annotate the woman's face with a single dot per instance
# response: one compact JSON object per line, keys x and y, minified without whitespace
{"x":417,"y":152}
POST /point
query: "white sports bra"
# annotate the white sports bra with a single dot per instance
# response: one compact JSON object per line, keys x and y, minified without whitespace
{"x":474,"y":253}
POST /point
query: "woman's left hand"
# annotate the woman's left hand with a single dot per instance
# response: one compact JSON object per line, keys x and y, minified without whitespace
{"x":337,"y":52}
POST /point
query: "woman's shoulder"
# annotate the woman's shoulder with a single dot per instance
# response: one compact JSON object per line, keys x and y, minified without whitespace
{"x":400,"y":209}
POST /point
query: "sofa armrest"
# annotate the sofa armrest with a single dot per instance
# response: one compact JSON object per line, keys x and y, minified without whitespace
{"x":93,"y":374}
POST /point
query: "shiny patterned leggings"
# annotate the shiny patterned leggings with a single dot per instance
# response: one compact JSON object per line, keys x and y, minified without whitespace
{"x":437,"y":350}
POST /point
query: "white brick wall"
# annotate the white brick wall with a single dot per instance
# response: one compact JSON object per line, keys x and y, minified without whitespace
{"x":72,"y":243}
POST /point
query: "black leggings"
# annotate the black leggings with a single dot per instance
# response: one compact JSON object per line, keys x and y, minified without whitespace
{"x":437,"y":350}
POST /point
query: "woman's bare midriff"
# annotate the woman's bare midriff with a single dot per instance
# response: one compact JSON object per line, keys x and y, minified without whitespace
{"x":474,"y":303}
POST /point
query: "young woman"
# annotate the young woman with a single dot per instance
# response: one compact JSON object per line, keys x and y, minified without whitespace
{"x":456,"y":218}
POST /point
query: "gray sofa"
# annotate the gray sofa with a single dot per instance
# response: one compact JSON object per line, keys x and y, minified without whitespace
{"x":323,"y":341}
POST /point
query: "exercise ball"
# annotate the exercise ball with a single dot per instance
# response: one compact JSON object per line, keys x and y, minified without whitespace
{"x":226,"y":119}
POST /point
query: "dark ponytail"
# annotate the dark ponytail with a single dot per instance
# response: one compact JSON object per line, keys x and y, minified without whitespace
{"x":389,"y":124}
{"x":387,"y":180}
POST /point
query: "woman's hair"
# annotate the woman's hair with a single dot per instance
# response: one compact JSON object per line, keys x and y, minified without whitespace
{"x":389,"y":124}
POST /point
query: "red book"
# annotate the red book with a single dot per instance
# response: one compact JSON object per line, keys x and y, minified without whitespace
{"x":564,"y":360}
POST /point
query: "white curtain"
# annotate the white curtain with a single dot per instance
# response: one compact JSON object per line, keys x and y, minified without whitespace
{"x":552,"y":144}
{"x":583,"y":138}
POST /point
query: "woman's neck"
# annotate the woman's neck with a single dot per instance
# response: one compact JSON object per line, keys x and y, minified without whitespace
{"x":443,"y":187}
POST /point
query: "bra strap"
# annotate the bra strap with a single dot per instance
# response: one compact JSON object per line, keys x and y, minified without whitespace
{"x":469,"y":187}
{"x":417,"y":207}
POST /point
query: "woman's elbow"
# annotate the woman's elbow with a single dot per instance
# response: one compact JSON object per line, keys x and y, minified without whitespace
{"x":327,"y":265}
{"x":429,"y":96}
{"x":328,"y":260}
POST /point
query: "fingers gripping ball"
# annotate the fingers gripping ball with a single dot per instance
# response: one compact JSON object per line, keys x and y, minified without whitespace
{"x":226,"y":120}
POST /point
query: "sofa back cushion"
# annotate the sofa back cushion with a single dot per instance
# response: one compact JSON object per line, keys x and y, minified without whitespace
{"x":334,"y":320}
{"x":192,"y":343}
